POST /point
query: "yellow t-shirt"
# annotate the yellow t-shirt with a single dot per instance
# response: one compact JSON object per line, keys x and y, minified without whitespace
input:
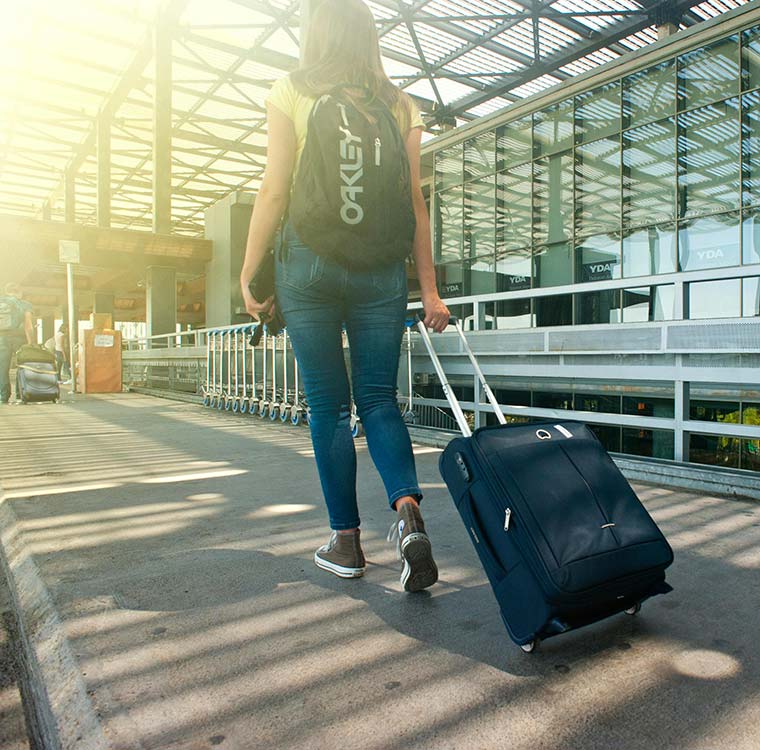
{"x":297,"y":108}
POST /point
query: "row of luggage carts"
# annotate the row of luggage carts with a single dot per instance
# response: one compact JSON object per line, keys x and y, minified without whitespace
{"x":258,"y":380}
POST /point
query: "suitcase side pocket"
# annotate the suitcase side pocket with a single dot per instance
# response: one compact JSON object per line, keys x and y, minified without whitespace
{"x":494,"y":569}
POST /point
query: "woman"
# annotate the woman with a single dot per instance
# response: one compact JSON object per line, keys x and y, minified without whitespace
{"x":318,"y":296}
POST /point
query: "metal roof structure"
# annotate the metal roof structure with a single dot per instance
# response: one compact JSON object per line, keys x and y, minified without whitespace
{"x":78,"y":74}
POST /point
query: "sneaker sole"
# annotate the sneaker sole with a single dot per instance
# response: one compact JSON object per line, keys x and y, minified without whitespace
{"x":419,"y":571}
{"x":338,"y":570}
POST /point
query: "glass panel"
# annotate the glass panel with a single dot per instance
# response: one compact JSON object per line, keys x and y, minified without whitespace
{"x":509,"y":314}
{"x":751,"y":148}
{"x":715,"y":299}
{"x":708,"y":159}
{"x":649,"y":173}
{"x":650,"y":94}
{"x":554,"y":265}
{"x":479,"y":155}
{"x":751,"y":58}
{"x":511,"y":397}
{"x":480,"y":276}
{"x":597,"y":186}
{"x":597,"y":112}
{"x":751,"y":237}
{"x":711,"y":242}
{"x":474,"y":276}
{"x":751,"y":455}
{"x":714,"y":411}
{"x":650,"y":251}
{"x":553,"y":129}
{"x":450,"y":279}
{"x":751,"y":413}
{"x":552,"y":400}
{"x":597,"y":307}
{"x":714,"y":450}
{"x":648,"y":406}
{"x":751,"y":297}
{"x":652,"y":443}
{"x":554,"y":311}
{"x":649,"y":303}
{"x":448,"y":167}
{"x":599,"y":258}
{"x":479,"y":216}
{"x":708,"y":73}
{"x":514,"y":270}
{"x":514,"y":207}
{"x":448,"y":225}
{"x":553,"y":198}
{"x":597,"y":402}
{"x":608,"y":435}
{"x":513,"y":143}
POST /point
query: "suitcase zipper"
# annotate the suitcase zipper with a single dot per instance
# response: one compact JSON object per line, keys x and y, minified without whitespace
{"x":507,"y":518}
{"x":377,"y":152}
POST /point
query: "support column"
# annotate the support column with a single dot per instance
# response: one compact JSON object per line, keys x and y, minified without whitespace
{"x":69,"y":196}
{"x":161,"y":300}
{"x":48,"y":327}
{"x":104,"y":170}
{"x":227,"y":226}
{"x":162,"y":126}
{"x":682,"y":408}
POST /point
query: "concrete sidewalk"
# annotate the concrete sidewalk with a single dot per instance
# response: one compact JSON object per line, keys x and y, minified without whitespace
{"x":176,"y":604}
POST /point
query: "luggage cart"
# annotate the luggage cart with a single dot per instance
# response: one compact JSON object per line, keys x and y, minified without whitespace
{"x":208,"y":388}
{"x":297,"y":411}
{"x":227,"y":401}
{"x":220,"y":393}
{"x":263,"y":410}
{"x":274,"y":403}
{"x":285,"y":405}
{"x":244,"y":398}
{"x":253,"y":401}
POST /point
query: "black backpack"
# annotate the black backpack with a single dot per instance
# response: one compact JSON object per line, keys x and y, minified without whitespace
{"x":352,"y":199}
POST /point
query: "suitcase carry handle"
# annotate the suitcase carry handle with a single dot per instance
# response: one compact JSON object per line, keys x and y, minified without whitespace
{"x":450,"y":396}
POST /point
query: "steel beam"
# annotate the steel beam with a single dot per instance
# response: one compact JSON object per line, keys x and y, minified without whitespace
{"x":103,"y":157}
{"x":162,"y":125}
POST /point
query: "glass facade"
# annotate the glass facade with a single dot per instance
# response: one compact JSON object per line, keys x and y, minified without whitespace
{"x":631,"y":184}
{"x":654,"y":173}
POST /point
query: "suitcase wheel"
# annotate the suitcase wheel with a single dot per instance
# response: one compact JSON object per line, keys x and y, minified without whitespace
{"x":634,"y":610}
{"x":529,"y":647}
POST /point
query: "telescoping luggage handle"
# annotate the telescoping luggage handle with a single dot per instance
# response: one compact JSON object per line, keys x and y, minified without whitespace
{"x":450,"y":396}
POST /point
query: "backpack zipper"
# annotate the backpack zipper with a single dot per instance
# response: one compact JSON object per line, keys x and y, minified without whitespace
{"x":377,"y":152}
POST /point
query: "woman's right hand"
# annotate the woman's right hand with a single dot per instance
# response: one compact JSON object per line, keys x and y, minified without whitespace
{"x":257,"y":310}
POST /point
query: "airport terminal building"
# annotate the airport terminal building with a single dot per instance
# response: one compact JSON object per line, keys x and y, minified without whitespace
{"x":603,"y":237}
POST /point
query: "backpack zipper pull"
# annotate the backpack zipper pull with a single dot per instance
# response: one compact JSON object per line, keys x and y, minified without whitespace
{"x":377,"y":152}
{"x":507,"y":518}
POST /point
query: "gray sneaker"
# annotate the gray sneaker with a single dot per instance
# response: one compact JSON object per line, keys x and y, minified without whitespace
{"x":342,"y":555}
{"x":413,"y":547}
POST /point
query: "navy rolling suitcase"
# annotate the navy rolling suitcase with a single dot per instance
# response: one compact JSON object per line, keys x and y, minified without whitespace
{"x":561,"y":534}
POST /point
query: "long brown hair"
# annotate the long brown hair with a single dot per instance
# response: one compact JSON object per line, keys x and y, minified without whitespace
{"x":341,"y":47}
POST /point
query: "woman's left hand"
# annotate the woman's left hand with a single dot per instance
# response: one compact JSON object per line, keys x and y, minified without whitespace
{"x":436,"y":314}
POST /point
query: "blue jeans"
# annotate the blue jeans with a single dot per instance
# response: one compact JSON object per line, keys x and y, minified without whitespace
{"x":317,"y":297}
{"x":8,"y":347}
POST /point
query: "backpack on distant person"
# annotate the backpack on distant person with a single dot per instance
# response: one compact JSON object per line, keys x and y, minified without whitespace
{"x":352,"y":199}
{"x":11,"y":315}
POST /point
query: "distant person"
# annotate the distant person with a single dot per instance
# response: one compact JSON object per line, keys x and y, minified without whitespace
{"x":16,"y":326}
{"x":61,"y":359}
{"x":355,"y":214}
